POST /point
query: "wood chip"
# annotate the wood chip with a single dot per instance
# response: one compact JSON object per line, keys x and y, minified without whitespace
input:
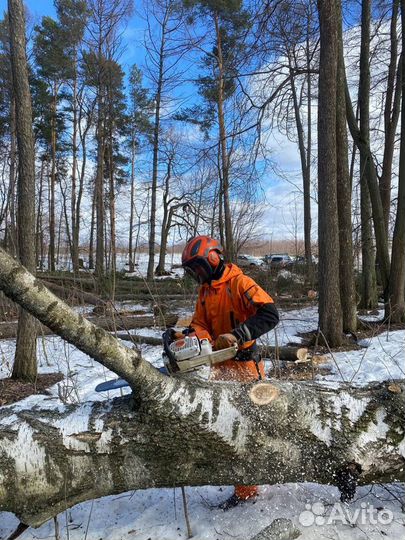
{"x":395,"y":388}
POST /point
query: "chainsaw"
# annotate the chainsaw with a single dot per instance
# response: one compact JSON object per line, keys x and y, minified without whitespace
{"x":184,"y":355}
{"x":190,"y":353}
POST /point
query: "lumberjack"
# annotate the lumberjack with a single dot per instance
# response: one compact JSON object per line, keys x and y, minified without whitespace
{"x":231,"y":309}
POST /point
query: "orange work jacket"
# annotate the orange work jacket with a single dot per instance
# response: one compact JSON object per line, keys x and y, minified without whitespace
{"x":221,"y":307}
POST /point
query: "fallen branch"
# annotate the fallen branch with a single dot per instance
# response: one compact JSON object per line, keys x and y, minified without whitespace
{"x":136,"y":338}
{"x":73,"y":294}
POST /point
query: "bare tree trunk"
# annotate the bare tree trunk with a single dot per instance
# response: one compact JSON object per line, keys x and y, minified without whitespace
{"x":376,"y":203}
{"x":99,"y":195}
{"x":369,"y":297}
{"x":38,"y":228}
{"x":396,"y":308}
{"x":12,"y":243}
{"x":152,"y":217}
{"x":305,"y":157}
{"x":92,"y":229}
{"x":344,"y":200}
{"x":132,"y":203}
{"x":76,"y":232}
{"x":229,"y":242}
{"x":221,"y":230}
{"x":160,"y":270}
{"x":113,"y":262}
{"x":41,"y":222}
{"x":25,"y":362}
{"x":156,"y":142}
{"x":330,"y":311}
{"x":307,"y":177}
{"x":73,"y":204}
{"x":52,"y":225}
{"x":391,"y":115}
{"x":368,"y":289}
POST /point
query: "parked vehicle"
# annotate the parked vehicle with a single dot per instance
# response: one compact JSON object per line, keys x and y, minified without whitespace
{"x":267,"y":258}
{"x":280,"y":260}
{"x":248,"y":260}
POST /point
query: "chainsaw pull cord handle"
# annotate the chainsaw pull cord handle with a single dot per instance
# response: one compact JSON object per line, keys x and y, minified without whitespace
{"x":168,"y":338}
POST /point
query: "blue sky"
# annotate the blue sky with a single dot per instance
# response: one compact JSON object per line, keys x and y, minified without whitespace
{"x":132,"y":36}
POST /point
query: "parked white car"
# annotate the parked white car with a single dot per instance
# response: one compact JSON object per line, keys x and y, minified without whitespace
{"x":248,"y":260}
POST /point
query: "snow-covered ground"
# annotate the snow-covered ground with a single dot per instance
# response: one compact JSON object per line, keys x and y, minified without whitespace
{"x":158,"y":513}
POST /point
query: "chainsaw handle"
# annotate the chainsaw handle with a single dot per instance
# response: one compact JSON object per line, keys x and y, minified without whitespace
{"x":168,"y":338}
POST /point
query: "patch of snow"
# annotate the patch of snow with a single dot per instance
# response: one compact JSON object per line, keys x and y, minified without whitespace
{"x":382,"y":360}
{"x":158,"y":514}
{"x":286,"y":274}
{"x":291,"y":323}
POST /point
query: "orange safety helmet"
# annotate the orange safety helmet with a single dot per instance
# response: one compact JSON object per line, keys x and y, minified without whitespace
{"x":202,"y":258}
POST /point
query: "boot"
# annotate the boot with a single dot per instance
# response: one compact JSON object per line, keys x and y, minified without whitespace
{"x":233,"y":501}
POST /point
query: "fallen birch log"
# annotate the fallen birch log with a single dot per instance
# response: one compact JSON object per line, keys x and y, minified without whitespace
{"x":74,"y":293}
{"x":194,"y":433}
{"x":112,"y":324}
{"x":176,"y":432}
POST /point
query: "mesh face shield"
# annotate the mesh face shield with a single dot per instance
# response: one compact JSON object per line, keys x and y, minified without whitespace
{"x":200,"y":270}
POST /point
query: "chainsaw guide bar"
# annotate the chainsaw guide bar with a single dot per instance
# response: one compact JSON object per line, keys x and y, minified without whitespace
{"x":210,"y":359}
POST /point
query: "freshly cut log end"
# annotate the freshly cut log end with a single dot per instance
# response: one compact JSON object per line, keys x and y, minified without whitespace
{"x":264,"y":393}
{"x":302,"y":356}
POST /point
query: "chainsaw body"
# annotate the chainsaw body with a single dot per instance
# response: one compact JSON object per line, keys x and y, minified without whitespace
{"x":190,"y":353}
